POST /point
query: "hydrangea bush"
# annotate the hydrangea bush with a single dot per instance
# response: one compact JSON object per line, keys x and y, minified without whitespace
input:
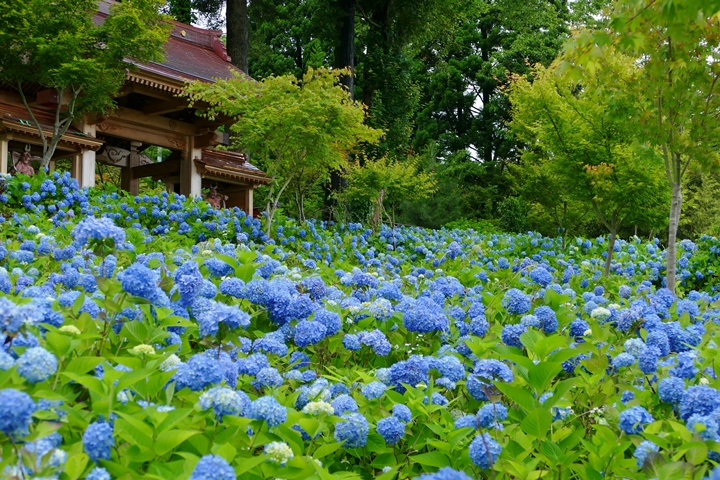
{"x":157,"y":337}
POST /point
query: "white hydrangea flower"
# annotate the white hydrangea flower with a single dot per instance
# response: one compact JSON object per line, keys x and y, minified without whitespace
{"x":317,"y":408}
{"x":70,"y":329}
{"x":143,"y":349}
{"x":170,"y":362}
{"x":600,"y":314}
{"x":279,"y":452}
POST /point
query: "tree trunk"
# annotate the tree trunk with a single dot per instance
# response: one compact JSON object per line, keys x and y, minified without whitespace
{"x":344,"y":58}
{"x":671,"y":255}
{"x":237,"y":33}
{"x":608,"y":261}
{"x":345,"y":50}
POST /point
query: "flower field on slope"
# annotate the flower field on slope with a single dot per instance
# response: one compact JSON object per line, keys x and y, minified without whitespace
{"x":154,"y":337}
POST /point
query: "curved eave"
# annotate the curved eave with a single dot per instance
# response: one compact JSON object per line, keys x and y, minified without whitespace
{"x":235,"y":176}
{"x":82,"y":141}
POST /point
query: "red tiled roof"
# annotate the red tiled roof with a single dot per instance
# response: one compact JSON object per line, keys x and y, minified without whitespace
{"x":223,"y":164}
{"x":191,"y":53}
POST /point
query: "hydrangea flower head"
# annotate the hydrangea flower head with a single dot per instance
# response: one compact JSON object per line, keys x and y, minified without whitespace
{"x":279,"y":452}
{"x":516,"y":302}
{"x":633,"y":419}
{"x":484,"y":450}
{"x":268,"y":409}
{"x":391,"y":429}
{"x":36,"y":365}
{"x":224,"y":401}
{"x":353,"y":430}
{"x":98,"y":441}
{"x":212,"y":467}
{"x":16,"y":412}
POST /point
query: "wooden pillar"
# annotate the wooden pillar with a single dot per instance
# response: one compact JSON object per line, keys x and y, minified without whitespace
{"x":4,"y":153}
{"x":127,"y":183}
{"x":76,"y":167}
{"x":190,"y":179}
{"x":249,"y":201}
{"x":87,"y":176}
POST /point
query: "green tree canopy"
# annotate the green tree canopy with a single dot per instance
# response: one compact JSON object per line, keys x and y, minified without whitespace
{"x":578,"y":131}
{"x":388,"y":183}
{"x":290,"y":127}
{"x":677,"y":84}
{"x":56,"y":45}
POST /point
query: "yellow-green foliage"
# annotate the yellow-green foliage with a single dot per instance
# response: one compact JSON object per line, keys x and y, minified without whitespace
{"x":387,"y":182}
{"x":294,"y":129}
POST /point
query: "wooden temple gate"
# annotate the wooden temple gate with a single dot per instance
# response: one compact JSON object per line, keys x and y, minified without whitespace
{"x":151,"y":111}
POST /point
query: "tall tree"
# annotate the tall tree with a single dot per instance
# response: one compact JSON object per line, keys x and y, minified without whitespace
{"x":237,"y":33}
{"x":56,"y":45}
{"x":588,"y":149}
{"x":291,"y":126}
{"x":677,"y":86}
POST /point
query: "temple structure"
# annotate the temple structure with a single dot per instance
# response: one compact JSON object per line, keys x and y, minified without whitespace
{"x":150,"y":112}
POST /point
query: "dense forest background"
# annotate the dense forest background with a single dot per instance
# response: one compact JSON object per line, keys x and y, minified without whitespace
{"x":434,"y":76}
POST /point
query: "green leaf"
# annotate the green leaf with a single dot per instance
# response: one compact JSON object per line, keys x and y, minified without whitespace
{"x":83,"y":364}
{"x":75,"y":465}
{"x":326,"y":449}
{"x":542,"y":374}
{"x":246,"y":464}
{"x":537,"y":423}
{"x":170,"y":439}
{"x":521,"y":396}
{"x":432,"y":459}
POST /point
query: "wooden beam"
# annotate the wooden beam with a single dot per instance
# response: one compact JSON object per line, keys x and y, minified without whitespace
{"x":159,"y":107}
{"x":136,"y":117}
{"x":146,"y":135}
{"x":206,"y":140}
{"x":168,"y":167}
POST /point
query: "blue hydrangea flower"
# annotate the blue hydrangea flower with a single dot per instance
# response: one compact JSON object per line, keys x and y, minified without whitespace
{"x":224,"y":401}
{"x":699,"y":400}
{"x":268,"y":409}
{"x":491,"y":414}
{"x":377,"y":341}
{"x":140,"y":281}
{"x":373,"y":390}
{"x":511,"y":335}
{"x":671,"y":389}
{"x":484,"y":450}
{"x":98,"y":441}
{"x":391,"y":429}
{"x":331,"y":320}
{"x":633,"y":419}
{"x":424,"y":316}
{"x":648,"y":360}
{"x":412,"y":371}
{"x":353,"y":430}
{"x":623,"y":360}
{"x":199,"y":372}
{"x":466,"y":421}
{"x":212,"y":467}
{"x":91,"y":228}
{"x":98,"y":473}
{"x":643,"y":450}
{"x":402,"y":413}
{"x":309,"y":332}
{"x":351,"y":342}
{"x":36,"y":365}
{"x":445,"y":473}
{"x":516,"y":302}
{"x":16,"y":414}
{"x":344,"y":403}
{"x":268,"y":377}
